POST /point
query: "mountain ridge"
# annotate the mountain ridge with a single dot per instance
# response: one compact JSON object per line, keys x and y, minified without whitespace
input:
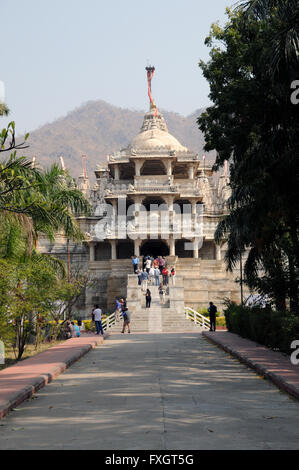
{"x":97,"y":128}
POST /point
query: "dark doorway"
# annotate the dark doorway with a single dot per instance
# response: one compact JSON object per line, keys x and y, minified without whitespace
{"x":181,"y":251}
{"x":154,"y":248}
{"x":102,"y":251}
{"x":125,"y":249}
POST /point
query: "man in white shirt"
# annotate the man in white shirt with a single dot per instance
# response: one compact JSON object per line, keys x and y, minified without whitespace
{"x":98,"y":319}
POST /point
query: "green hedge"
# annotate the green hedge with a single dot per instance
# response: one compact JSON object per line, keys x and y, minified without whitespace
{"x":273,"y":329}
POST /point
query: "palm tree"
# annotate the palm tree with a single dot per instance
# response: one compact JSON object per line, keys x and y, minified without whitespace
{"x":283,"y":50}
{"x":63,"y":201}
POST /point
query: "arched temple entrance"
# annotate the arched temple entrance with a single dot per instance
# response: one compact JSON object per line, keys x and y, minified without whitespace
{"x":155,"y":248}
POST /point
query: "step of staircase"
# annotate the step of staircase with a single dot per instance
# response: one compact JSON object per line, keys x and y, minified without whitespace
{"x":159,"y":317}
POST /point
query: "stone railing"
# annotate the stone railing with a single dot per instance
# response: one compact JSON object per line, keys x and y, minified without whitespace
{"x":155,"y":186}
{"x":123,"y":187}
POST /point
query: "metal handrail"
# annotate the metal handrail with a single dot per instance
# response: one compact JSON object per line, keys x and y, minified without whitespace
{"x":109,"y":321}
{"x":197,"y":318}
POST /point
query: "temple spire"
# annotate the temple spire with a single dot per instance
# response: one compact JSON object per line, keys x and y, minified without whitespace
{"x":150,"y":69}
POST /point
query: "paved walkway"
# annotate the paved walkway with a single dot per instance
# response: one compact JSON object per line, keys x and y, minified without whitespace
{"x":21,"y":380}
{"x":155,"y":391}
{"x":271,"y":364}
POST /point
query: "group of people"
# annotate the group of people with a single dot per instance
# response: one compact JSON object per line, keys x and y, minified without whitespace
{"x":120,"y":307}
{"x":152,"y":271}
{"x":71,"y":330}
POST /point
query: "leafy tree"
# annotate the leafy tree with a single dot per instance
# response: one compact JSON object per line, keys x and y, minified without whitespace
{"x":253,"y":125}
{"x":33,"y":202}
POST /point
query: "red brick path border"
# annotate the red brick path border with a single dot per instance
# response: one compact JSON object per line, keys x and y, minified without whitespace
{"x":270,"y":364}
{"x":21,"y":381}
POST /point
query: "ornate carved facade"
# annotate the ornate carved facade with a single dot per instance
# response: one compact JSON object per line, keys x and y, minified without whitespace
{"x":155,"y":197}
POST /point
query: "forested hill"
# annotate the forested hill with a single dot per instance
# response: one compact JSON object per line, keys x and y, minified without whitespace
{"x":98,"y":129}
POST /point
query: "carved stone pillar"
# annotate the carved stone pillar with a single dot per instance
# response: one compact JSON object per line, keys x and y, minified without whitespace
{"x":172,"y":246}
{"x":195,"y":248}
{"x":191,"y":172}
{"x":169,"y":167}
{"x":113,"y":249}
{"x":92,"y":246}
{"x":138,"y":166}
{"x":193,"y":204}
{"x":218,"y":253}
{"x":116,"y":172}
{"x":137,"y":243}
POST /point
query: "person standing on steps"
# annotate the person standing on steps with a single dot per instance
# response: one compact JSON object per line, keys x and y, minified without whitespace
{"x":212,"y":312}
{"x":148,"y":298}
{"x":157,"y":276}
{"x":172,"y":273}
{"x":162,"y":293}
{"x":152,"y":276}
{"x":165,"y":274}
{"x":148,"y":265}
{"x":139,"y":273}
{"x":144,"y":282}
{"x":127,"y":320}
{"x":98,"y":320}
{"x":161,"y":263}
{"x":135,"y":263}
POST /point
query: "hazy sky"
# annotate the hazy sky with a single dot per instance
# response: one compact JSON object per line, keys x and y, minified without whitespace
{"x":58,"y":54}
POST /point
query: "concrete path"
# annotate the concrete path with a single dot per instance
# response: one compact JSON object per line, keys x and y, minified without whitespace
{"x":20,"y":381}
{"x":270,"y":364}
{"x":155,"y":391}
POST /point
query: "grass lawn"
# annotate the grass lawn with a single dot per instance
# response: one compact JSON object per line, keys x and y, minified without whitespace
{"x":30,"y":351}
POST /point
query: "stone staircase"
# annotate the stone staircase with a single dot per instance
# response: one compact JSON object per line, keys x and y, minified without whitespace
{"x":159,"y":318}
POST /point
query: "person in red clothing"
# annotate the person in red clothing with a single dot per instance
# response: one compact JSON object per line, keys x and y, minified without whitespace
{"x":172,"y":273}
{"x":161,"y":263}
{"x":165,"y":274}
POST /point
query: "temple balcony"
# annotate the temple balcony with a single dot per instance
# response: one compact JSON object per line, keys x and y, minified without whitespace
{"x":118,"y":188}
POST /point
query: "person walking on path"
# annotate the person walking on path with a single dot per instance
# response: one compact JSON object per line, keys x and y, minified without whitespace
{"x":148,"y":298}
{"x":127,"y":321}
{"x":123,"y":302}
{"x":98,"y":320}
{"x":212,"y":312}
{"x":172,"y":273}
{"x":117,"y":309}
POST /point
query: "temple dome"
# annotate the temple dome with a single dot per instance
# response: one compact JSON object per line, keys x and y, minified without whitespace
{"x":154,"y":134}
